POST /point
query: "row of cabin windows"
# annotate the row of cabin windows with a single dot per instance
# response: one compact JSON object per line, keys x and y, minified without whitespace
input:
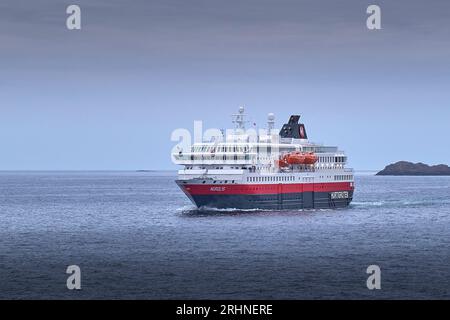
{"x":343,"y":177}
{"x":331,"y":159}
{"x":242,"y":149}
{"x":219,"y":168}
{"x":220,"y":149}
{"x":257,"y":148}
{"x":270,"y":179}
{"x":218,"y":181}
{"x":329,"y":166}
{"x":213,"y":156}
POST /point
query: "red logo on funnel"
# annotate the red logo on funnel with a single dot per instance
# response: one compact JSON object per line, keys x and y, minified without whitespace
{"x":301,"y":131}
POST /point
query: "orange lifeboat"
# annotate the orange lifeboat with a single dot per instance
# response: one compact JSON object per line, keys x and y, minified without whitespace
{"x":297,"y":157}
{"x":281,"y":163}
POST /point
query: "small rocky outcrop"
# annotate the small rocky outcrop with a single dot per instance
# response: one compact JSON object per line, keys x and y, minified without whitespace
{"x":405,"y":168}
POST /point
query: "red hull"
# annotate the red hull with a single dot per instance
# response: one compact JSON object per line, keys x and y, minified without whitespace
{"x":240,"y":189}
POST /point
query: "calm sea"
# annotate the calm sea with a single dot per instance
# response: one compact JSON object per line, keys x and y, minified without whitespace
{"x":136,"y":235}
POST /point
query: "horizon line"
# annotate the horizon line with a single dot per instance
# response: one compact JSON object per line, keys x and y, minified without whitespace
{"x":129,"y":170}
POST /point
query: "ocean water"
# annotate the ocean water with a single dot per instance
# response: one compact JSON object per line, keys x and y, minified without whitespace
{"x":136,"y":235}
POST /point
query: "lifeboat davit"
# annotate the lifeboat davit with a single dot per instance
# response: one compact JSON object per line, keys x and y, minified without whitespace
{"x":297,"y":157}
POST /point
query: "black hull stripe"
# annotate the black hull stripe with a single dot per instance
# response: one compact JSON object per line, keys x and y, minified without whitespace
{"x":304,"y":200}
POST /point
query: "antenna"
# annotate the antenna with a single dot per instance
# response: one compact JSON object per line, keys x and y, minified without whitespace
{"x":238,"y":118}
{"x":270,"y":122}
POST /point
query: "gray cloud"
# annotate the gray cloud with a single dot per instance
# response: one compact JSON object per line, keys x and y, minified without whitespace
{"x":141,"y":33}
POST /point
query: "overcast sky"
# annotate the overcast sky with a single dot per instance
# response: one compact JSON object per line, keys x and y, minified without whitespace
{"x":109,"y":95}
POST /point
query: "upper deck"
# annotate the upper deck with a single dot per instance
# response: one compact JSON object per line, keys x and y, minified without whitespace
{"x":246,"y":153}
{"x":245,"y":149}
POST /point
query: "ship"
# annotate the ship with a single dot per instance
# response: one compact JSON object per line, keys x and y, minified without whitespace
{"x":276,"y":170}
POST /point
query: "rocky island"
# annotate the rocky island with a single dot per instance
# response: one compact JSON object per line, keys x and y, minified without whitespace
{"x":405,"y":168}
